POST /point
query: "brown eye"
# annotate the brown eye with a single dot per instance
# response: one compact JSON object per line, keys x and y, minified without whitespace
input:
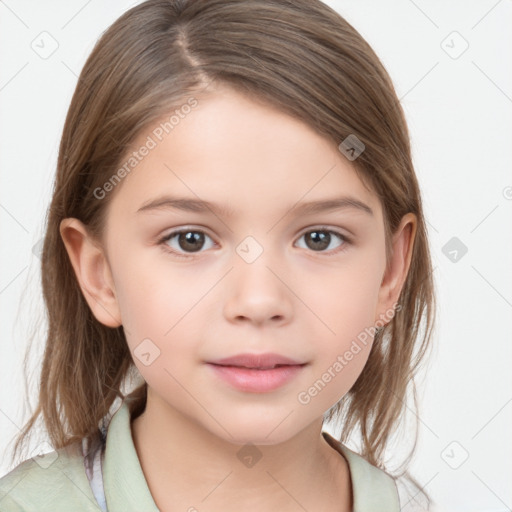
{"x":319,"y":240}
{"x":185,"y":241}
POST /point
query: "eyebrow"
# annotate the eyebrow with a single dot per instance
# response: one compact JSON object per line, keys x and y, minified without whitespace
{"x":305,"y":208}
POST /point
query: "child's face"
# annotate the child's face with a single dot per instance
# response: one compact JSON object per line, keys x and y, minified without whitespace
{"x":255,"y":282}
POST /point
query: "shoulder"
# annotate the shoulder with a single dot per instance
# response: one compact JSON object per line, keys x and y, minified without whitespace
{"x":51,"y":482}
{"x":372,"y":488}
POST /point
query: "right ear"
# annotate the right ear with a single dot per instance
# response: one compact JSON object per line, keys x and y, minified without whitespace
{"x":92,"y":271}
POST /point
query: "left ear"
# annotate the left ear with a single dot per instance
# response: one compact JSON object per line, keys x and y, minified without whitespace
{"x":396,"y":271}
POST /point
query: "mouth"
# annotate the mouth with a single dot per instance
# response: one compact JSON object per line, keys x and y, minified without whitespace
{"x":256,"y":367}
{"x":266,"y":361}
{"x":257,"y":373}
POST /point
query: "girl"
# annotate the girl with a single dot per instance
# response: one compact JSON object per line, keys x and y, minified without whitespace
{"x":268,"y":134}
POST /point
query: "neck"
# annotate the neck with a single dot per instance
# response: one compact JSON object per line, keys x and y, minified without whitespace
{"x":187,"y":466}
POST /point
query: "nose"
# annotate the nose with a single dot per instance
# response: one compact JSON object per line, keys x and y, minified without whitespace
{"x":258,"y":292}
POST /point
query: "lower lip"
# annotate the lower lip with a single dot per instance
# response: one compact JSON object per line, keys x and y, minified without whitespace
{"x":257,"y":381}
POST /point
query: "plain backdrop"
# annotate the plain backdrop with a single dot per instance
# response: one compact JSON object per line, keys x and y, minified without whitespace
{"x":450,"y":63}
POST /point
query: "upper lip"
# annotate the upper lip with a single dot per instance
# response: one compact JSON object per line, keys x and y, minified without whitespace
{"x":262,"y":361}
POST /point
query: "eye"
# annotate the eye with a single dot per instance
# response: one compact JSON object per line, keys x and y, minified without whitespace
{"x":322,"y":238}
{"x":184,"y":240}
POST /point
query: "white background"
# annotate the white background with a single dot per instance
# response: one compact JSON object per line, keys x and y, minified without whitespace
{"x":459,"y":112}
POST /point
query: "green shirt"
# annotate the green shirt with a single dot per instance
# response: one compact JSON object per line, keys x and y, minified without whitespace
{"x":58,"y":481}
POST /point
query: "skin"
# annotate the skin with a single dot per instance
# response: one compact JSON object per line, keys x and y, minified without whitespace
{"x":294,"y":299}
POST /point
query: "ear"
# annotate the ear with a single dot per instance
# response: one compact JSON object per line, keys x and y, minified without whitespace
{"x":92,"y":271}
{"x":398,"y":266}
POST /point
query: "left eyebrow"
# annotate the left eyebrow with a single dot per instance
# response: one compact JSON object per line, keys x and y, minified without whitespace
{"x":301,"y":208}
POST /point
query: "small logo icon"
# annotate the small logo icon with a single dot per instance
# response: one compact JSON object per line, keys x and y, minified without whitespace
{"x":352,"y":147}
{"x":146,"y":352}
{"x":454,"y":249}
{"x":454,"y":45}
{"x":455,"y":455}
{"x":249,"y":455}
{"x":249,"y":249}
{"x":45,"y":45}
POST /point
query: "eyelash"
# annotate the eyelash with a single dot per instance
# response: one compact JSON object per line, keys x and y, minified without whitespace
{"x":346,"y":241}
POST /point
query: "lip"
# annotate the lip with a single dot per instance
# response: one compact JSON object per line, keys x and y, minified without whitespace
{"x":257,"y":373}
{"x":261,"y":361}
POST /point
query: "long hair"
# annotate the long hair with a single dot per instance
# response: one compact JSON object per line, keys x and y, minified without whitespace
{"x":299,"y":56}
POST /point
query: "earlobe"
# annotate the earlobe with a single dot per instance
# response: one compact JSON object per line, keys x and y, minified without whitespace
{"x":398,"y":266}
{"x":92,"y":271}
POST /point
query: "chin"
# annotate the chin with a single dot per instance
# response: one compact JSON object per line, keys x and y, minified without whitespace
{"x":256,"y":433}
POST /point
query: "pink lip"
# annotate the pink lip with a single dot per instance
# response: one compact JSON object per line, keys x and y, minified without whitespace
{"x":256,"y":360}
{"x":254,"y":372}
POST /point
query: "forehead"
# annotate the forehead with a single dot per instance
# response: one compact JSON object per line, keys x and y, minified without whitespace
{"x":236,"y":151}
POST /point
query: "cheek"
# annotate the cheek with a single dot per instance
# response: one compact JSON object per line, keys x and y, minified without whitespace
{"x":347,"y":299}
{"x":344,"y":336}
{"x":159,"y":304}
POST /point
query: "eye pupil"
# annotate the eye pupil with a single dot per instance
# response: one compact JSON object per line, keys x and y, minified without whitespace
{"x":187,"y":240}
{"x":321,"y":239}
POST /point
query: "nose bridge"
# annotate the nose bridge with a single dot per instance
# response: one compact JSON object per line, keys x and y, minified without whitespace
{"x":256,"y":292}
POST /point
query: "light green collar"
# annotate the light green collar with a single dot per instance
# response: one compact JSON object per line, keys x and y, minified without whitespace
{"x":126,"y":489}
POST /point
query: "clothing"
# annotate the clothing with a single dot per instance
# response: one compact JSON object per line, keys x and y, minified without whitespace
{"x":110,"y":475}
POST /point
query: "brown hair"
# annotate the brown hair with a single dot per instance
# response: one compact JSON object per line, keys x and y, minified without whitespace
{"x":299,"y":56}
